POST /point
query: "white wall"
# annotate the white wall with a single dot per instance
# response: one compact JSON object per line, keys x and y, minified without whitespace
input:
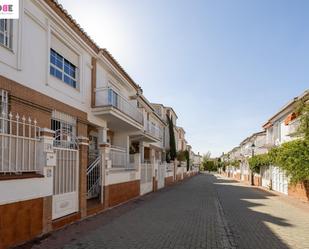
{"x":25,"y":189}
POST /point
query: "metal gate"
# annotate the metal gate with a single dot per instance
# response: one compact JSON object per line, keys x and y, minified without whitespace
{"x":279,"y":180}
{"x":161,"y":175}
{"x":65,"y":187}
{"x":146,"y":178}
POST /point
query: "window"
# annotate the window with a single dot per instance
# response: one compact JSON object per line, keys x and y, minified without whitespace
{"x":6,"y":27}
{"x":62,"y":69}
{"x":112,"y":98}
{"x":65,"y":127}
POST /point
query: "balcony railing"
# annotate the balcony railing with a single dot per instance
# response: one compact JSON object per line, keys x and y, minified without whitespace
{"x":153,"y":130}
{"x":120,"y":158}
{"x":292,"y":127}
{"x":108,"y":97}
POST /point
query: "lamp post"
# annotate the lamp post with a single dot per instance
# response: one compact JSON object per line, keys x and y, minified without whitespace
{"x":252,"y":155}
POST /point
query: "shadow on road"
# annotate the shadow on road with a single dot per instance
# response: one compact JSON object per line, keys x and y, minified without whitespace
{"x":248,"y":225}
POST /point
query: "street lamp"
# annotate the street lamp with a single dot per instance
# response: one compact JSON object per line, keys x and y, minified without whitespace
{"x":252,"y":154}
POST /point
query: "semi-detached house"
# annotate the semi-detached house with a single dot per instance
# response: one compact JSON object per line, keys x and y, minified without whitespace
{"x":280,"y":128}
{"x":77,"y":135}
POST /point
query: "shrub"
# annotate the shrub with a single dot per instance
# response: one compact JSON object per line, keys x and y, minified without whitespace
{"x":293,"y":157}
{"x":257,"y":161}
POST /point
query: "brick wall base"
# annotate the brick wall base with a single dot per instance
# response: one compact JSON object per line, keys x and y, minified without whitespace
{"x":168,"y":181}
{"x":257,"y":181}
{"x":300,"y":191}
{"x":20,"y":222}
{"x":246,"y":179}
{"x":61,"y":222}
{"x":178,"y":177}
{"x":154,"y":184}
{"x":237,"y":176}
{"x":121,"y":192}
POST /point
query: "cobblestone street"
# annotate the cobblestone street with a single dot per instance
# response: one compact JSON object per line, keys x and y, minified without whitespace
{"x":203,"y":212}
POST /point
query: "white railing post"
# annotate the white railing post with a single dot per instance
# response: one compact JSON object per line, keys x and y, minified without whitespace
{"x":137,"y":164}
{"x":46,"y":148}
{"x":104,"y":152}
{"x":48,"y":162}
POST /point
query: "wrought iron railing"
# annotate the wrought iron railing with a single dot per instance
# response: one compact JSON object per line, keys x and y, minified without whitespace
{"x":19,"y":138}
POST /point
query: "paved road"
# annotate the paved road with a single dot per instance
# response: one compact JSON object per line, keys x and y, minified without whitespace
{"x":203,"y":212}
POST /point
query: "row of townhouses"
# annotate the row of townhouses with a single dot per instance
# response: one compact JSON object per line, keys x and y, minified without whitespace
{"x":77,"y":135}
{"x":280,"y":128}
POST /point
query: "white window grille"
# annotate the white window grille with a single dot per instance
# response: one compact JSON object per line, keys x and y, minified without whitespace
{"x":64,"y":126}
{"x":6,"y":28}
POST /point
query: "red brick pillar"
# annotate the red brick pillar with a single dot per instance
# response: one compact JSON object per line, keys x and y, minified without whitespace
{"x":83,"y":144}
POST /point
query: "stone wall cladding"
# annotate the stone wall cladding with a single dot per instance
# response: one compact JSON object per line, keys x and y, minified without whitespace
{"x":168,"y":181}
{"x":299,"y":190}
{"x":122,"y":192}
{"x":61,"y":222}
{"x":20,"y":222}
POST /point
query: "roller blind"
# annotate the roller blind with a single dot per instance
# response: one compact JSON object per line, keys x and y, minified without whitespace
{"x":64,"y":50}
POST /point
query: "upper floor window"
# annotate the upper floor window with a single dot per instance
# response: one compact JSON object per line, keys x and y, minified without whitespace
{"x":63,"y":69}
{"x":6,"y":28}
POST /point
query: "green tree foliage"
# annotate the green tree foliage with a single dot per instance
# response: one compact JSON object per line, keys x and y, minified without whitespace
{"x":257,"y":161}
{"x":293,"y":157}
{"x":181,"y":156}
{"x":235,"y":163}
{"x":210,"y":165}
{"x":172,"y":152}
{"x":187,"y":156}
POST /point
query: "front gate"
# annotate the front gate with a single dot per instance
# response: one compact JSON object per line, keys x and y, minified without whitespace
{"x":279,"y":180}
{"x":65,"y":187}
{"x":146,"y":178}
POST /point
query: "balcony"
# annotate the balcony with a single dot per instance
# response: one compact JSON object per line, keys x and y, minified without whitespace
{"x":150,"y":133}
{"x":153,"y":130}
{"x":292,"y":128}
{"x":120,"y":113}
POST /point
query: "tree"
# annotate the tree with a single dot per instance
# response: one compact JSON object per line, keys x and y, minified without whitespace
{"x":172,"y":151}
{"x":187,"y":156}
{"x":181,"y":156}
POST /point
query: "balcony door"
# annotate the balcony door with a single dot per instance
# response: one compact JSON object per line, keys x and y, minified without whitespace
{"x":112,"y":98}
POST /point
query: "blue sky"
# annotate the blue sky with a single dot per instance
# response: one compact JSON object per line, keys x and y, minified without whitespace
{"x":225,"y":66}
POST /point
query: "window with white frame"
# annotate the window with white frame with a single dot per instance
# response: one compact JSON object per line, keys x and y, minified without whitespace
{"x":6,"y":28}
{"x":63,"y":69}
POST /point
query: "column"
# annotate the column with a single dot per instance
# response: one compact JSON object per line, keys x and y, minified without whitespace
{"x":104,"y":149}
{"x":83,"y":144}
{"x":47,"y":150}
